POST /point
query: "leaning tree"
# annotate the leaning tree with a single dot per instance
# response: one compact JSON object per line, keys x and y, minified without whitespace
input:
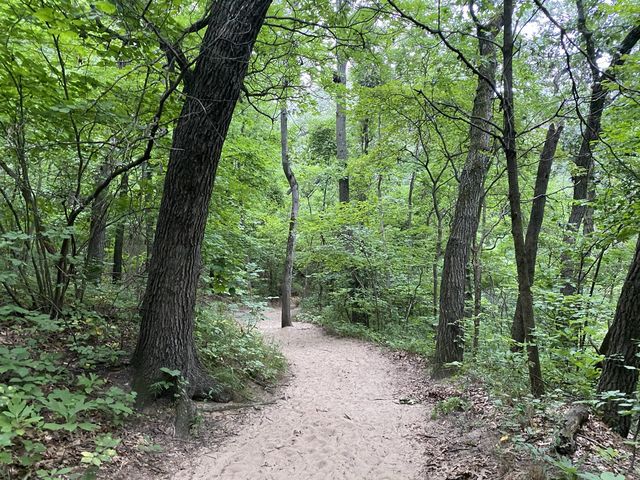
{"x":212,"y":88}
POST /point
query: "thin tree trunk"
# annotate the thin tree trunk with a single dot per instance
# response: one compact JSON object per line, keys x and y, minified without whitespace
{"x":97,"y":232}
{"x":118,"y":247}
{"x":450,"y":336}
{"x":365,"y":139}
{"x":535,"y":221}
{"x":468,"y":288}
{"x":291,"y":239}
{"x":148,"y":218}
{"x":412,"y":182}
{"x":435,"y":266}
{"x":509,"y":132}
{"x":381,"y":209}
{"x":212,"y":90}
{"x":476,"y":252}
{"x":342,"y":153}
{"x":620,"y":370}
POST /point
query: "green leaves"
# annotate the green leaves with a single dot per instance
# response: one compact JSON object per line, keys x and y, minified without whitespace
{"x":38,"y":407}
{"x":233,"y":352}
{"x":46,"y":14}
{"x":106,"y":7}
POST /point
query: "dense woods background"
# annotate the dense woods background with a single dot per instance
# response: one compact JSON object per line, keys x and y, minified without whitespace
{"x":464,"y":179}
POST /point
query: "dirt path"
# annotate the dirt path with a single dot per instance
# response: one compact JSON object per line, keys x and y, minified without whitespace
{"x":339,"y":417}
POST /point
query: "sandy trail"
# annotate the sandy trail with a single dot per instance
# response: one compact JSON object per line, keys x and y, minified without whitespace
{"x":339,"y":417}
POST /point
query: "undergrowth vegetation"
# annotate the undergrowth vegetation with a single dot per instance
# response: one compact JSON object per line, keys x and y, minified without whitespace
{"x":233,"y":350}
{"x":64,"y":396}
{"x":56,"y":390}
{"x":412,"y":336}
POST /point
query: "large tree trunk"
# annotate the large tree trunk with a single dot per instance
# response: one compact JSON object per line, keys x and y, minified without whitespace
{"x":621,"y":363}
{"x":450,"y":336}
{"x":291,"y":239}
{"x":535,"y":220}
{"x":517,"y":231}
{"x":118,"y":247}
{"x":212,"y":90}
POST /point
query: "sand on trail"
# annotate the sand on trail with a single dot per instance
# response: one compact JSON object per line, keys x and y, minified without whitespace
{"x":338,"y":417}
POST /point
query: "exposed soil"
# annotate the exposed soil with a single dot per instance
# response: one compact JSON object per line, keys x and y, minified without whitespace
{"x":344,"y":413}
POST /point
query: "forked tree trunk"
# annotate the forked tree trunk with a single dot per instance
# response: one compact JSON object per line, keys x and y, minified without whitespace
{"x":293,"y":220}
{"x":535,"y":221}
{"x":620,"y":370}
{"x":450,"y":336}
{"x":517,"y":231}
{"x":212,"y":90}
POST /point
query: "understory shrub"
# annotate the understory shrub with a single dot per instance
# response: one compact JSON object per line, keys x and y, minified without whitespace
{"x":234,"y":351}
{"x":51,"y":392}
{"x":415,"y":335}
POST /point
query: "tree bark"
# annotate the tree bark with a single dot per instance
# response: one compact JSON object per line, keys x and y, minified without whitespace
{"x":450,"y":336}
{"x":574,"y":419}
{"x":293,"y":220}
{"x":535,"y":221}
{"x":621,"y":363}
{"x":509,"y":144}
{"x":212,"y":90}
{"x":476,"y":252}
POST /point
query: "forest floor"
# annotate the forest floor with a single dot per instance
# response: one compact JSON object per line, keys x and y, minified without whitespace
{"x":347,"y":409}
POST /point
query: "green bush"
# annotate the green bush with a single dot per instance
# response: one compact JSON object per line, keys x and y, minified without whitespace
{"x":415,"y":335}
{"x":234,"y":352}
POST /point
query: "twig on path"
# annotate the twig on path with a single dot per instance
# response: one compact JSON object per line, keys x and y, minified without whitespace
{"x":216,"y":407}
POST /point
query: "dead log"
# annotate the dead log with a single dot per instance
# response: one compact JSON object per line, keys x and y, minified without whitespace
{"x":573,"y":421}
